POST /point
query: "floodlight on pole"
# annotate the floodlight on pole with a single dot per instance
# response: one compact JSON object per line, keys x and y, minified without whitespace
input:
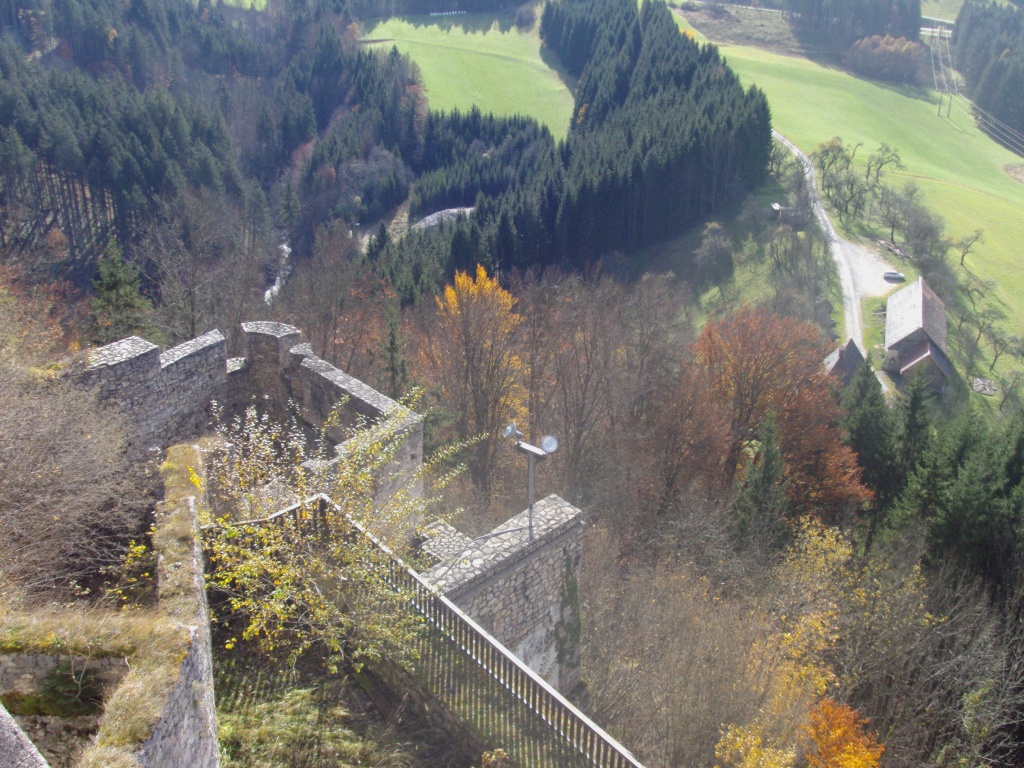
{"x":548,"y":445}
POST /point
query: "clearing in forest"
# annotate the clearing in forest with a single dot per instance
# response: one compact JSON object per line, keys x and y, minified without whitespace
{"x":960,"y":171}
{"x":482,"y":60}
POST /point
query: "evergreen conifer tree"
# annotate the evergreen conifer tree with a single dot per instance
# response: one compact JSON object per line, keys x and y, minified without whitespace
{"x":119,"y":308}
{"x":871,"y":432}
{"x":761,"y":507}
{"x":915,"y":424}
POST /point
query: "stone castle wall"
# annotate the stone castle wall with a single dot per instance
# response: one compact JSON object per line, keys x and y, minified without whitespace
{"x":515,"y":588}
{"x":186,"y":733}
{"x":163,"y":396}
{"x":16,"y":749}
{"x":166,"y":398}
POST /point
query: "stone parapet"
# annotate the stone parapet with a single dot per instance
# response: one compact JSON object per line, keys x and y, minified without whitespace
{"x":24,"y":673}
{"x":515,"y":588}
{"x":166,"y":398}
{"x":444,"y":543}
{"x":186,"y":732}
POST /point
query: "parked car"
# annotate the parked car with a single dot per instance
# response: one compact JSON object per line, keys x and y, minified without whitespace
{"x":894,"y":276}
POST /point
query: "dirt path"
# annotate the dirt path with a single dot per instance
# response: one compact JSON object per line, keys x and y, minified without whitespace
{"x":860,"y":269}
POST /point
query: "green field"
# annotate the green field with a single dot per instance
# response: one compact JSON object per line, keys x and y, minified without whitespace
{"x":482,"y":60}
{"x":941,"y":9}
{"x":958,"y":168}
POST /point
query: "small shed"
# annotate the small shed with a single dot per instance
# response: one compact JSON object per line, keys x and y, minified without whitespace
{"x":792,"y":215}
{"x":844,"y":361}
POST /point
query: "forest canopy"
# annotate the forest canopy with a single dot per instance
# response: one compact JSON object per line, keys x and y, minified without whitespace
{"x":119,"y":110}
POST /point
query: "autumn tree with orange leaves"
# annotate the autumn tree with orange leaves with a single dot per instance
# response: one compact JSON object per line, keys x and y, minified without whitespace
{"x":472,"y":353}
{"x":759,"y":364}
{"x":839,"y":739}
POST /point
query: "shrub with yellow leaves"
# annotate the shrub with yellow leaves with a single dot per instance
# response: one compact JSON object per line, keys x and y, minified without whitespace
{"x":316,"y":574}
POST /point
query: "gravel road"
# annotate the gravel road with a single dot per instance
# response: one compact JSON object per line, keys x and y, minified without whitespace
{"x":860,"y":269}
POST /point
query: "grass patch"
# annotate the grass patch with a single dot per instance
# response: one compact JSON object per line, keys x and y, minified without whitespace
{"x":253,"y":5}
{"x":941,"y":9}
{"x":482,"y":60}
{"x":735,"y":25}
{"x":958,"y":168}
{"x":753,"y":280}
{"x":272,"y":715}
{"x":153,"y":640}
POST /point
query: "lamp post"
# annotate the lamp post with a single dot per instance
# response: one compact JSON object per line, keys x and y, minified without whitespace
{"x":548,"y":444}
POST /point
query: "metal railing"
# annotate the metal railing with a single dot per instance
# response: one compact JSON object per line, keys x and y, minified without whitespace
{"x":480,"y":682}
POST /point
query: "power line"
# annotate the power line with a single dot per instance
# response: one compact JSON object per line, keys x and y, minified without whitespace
{"x":1002,"y":133}
{"x":949,"y":58}
{"x":935,"y":77}
{"x":993,"y":120}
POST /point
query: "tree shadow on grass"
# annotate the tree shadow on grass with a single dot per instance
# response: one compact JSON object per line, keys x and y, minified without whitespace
{"x":552,"y":62}
{"x":470,"y":23}
{"x":830,"y":56}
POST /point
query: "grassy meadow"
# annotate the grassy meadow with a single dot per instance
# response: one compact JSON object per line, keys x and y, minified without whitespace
{"x":958,"y":168}
{"x":483,"y":60}
{"x":941,"y":9}
{"x":960,"y":171}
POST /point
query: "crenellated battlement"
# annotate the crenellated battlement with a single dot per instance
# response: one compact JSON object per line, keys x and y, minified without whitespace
{"x":167,"y":397}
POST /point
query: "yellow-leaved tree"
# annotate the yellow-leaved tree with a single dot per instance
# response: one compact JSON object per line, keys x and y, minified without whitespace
{"x":822,"y":595}
{"x":313,"y":574}
{"x":471,"y":352}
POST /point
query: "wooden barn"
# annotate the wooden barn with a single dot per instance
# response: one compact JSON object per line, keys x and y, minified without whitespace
{"x":915,"y":333}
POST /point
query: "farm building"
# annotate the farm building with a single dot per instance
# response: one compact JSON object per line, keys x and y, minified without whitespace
{"x":915,"y":332}
{"x":844,"y":361}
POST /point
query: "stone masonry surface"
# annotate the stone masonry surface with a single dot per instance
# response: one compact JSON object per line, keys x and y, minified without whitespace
{"x":444,"y":543}
{"x":186,"y":733}
{"x":513,"y":587}
{"x":16,"y":749}
{"x":25,"y":672}
{"x":167,"y":397}
{"x":58,"y":739}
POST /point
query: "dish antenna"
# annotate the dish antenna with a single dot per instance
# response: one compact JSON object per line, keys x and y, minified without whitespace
{"x":548,"y":445}
{"x":513,"y":431}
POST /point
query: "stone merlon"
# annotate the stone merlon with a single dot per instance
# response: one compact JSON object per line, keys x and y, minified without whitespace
{"x":506,"y":547}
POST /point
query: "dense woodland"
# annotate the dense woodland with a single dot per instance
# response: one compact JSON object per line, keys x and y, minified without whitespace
{"x":988,"y":49}
{"x":663,"y":135}
{"x":847,"y":20}
{"x":780,"y":571}
{"x":120,"y":112}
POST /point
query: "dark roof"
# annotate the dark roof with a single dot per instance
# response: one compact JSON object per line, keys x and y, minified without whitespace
{"x":844,"y":361}
{"x":921,"y":352}
{"x":915,"y":308}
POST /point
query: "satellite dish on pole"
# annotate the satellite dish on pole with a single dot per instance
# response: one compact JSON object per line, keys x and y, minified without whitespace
{"x":549,"y":444}
{"x":513,"y":431}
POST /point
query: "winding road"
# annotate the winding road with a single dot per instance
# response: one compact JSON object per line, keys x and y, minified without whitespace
{"x":860,"y":269}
